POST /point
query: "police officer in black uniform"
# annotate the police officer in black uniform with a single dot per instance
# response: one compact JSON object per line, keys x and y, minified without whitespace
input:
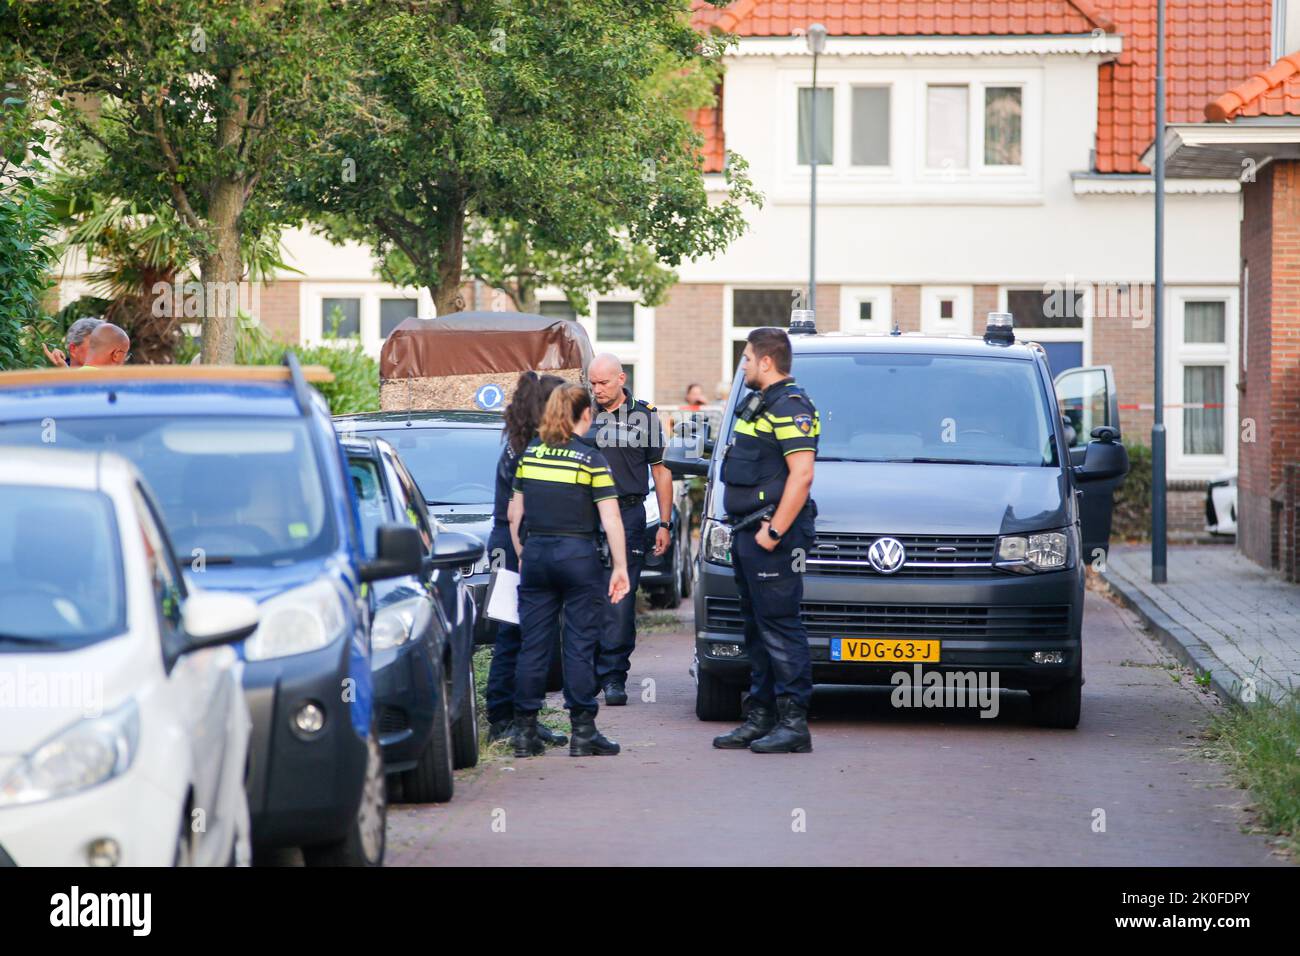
{"x":562,"y":487}
{"x":770,"y":462}
{"x":629,"y":433}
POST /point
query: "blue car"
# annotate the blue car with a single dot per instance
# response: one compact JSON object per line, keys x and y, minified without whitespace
{"x":423,"y":636}
{"x":255,"y":493}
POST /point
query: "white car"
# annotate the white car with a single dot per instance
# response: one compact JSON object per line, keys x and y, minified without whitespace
{"x":123,"y":727}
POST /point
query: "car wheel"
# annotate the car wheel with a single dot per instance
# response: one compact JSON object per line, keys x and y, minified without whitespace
{"x":1058,"y":707}
{"x":364,"y":843}
{"x":670,"y":596}
{"x":464,"y":732}
{"x":431,"y":779}
{"x":715,"y":699}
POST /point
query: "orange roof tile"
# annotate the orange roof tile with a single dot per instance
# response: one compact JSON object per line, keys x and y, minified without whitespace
{"x":904,"y":17}
{"x":1272,"y":92}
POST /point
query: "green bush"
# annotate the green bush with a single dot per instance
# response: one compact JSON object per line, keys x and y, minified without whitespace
{"x":1132,"y":515}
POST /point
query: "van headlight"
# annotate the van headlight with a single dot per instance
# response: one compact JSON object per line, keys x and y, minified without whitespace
{"x":1030,"y":553}
{"x":395,"y":624}
{"x":295,"y":622}
{"x":717,"y":542}
{"x":84,"y":755}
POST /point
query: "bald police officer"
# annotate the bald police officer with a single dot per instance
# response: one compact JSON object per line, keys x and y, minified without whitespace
{"x":770,"y":462}
{"x":628,"y":432}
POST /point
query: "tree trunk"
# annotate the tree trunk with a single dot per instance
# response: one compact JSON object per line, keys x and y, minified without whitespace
{"x":221,"y":272}
{"x":447,"y":297}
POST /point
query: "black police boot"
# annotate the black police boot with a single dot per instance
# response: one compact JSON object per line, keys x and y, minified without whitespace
{"x":525,"y":739}
{"x":758,"y":723}
{"x":500,"y":730}
{"x":615,"y":694}
{"x":790,"y":736}
{"x":587,"y":740}
{"x":552,"y":738}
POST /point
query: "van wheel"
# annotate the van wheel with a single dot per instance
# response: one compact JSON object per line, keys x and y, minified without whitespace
{"x":464,"y":732}
{"x":715,"y":699}
{"x":364,"y":843}
{"x":1060,"y":706}
{"x":431,"y":779}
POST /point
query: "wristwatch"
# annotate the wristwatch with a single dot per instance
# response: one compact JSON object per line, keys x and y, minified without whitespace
{"x":773,"y":533}
{"x":666,"y":525}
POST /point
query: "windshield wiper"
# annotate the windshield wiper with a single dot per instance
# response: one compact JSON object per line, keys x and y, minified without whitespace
{"x":948,"y":461}
{"x":28,"y":639}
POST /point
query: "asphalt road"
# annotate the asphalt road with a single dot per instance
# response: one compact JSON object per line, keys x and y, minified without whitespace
{"x":883,"y":786}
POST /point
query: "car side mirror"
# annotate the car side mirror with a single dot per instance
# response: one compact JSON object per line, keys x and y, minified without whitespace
{"x":399,"y":550}
{"x":454,"y":549}
{"x":686,"y":457}
{"x":1104,"y":458}
{"x":210,"y":618}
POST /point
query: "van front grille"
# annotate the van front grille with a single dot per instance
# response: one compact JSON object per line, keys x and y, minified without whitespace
{"x":910,"y":620}
{"x":926,"y":555}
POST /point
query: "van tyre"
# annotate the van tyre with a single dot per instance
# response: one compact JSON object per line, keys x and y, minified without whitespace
{"x":363,"y":845}
{"x":1058,"y":707}
{"x":464,"y":731}
{"x":431,"y":779}
{"x":715,"y":699}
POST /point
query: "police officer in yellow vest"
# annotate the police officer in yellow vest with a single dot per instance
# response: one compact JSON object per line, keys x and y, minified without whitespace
{"x":770,"y":463}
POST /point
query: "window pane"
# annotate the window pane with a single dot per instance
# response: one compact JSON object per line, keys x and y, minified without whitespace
{"x":737,"y":353}
{"x":1002,"y":126}
{"x":630,"y":372}
{"x":1204,"y":322}
{"x":1203,"y":427}
{"x":346,"y":313}
{"x":556,"y":309}
{"x":864,"y":311}
{"x":615,"y":322}
{"x":870,"y":126}
{"x":757,"y":308}
{"x":945,"y":308}
{"x":1057,"y":309}
{"x":825,"y":130}
{"x":393,"y":312}
{"x":947,"y":124}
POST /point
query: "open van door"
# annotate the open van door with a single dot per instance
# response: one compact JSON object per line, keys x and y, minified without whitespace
{"x":1088,"y":399}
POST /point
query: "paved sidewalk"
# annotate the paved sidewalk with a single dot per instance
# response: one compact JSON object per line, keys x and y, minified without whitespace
{"x":1218,"y":613}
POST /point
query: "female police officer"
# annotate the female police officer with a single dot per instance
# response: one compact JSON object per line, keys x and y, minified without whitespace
{"x":521,"y":418}
{"x":562,"y":484}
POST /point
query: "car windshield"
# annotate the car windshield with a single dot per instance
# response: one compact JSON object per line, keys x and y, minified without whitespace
{"x":372,"y":503}
{"x":954,"y":409}
{"x":452,"y":466}
{"x":235,"y":490}
{"x":60,"y":568}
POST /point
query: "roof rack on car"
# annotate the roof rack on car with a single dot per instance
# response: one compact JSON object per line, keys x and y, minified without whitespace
{"x":301,"y":390}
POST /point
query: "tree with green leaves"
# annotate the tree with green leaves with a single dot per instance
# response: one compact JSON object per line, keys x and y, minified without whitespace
{"x":203,"y":105}
{"x":536,"y":143}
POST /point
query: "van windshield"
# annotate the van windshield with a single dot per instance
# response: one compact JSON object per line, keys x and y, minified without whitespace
{"x":235,"y":490}
{"x":954,"y":409}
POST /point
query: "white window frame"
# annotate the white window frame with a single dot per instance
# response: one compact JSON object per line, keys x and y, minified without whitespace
{"x":1179,"y":354}
{"x":1033,"y":334}
{"x":962,"y":321}
{"x":881,"y":298}
{"x":311,"y":322}
{"x":638,"y":353}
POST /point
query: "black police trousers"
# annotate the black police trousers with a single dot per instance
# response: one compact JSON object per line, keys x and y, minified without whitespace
{"x":771,"y":588}
{"x":500,"y":691}
{"x":618,"y":636}
{"x":559,"y":573}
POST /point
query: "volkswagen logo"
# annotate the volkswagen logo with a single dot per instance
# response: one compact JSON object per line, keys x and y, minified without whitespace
{"x":886,"y":555}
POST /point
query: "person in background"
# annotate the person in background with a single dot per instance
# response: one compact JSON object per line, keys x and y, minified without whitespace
{"x":107,"y":346}
{"x":78,"y":333}
{"x":522,"y":416}
{"x":694,"y":397}
{"x":563,"y":487}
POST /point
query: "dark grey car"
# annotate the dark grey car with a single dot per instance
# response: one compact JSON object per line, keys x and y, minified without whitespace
{"x":957,"y":505}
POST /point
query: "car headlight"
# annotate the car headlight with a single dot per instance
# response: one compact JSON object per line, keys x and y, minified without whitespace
{"x":717,"y":542}
{"x":84,"y":755}
{"x":395,"y":623}
{"x":1028,"y":553}
{"x":295,"y":622}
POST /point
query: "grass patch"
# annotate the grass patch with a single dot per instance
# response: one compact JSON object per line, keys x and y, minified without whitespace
{"x":1261,"y":744}
{"x":553,"y":717}
{"x":657,"y":622}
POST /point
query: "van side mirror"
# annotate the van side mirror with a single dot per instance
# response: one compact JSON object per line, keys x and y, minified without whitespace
{"x":399,"y":551}
{"x":454,"y":549}
{"x":684,"y":454}
{"x":1104,"y":458}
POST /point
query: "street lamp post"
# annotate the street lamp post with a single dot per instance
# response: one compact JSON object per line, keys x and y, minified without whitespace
{"x":817,"y":45}
{"x":1159,"y":556}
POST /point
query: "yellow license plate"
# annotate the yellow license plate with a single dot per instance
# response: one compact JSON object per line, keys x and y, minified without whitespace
{"x":884,"y":650}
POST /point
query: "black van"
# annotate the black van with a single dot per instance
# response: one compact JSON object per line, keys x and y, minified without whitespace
{"x":958,"y":502}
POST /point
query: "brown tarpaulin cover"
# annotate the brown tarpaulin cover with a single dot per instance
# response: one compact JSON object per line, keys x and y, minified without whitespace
{"x":467,"y":343}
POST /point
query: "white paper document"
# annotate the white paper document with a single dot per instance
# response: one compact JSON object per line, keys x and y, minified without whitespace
{"x":503,"y":597}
